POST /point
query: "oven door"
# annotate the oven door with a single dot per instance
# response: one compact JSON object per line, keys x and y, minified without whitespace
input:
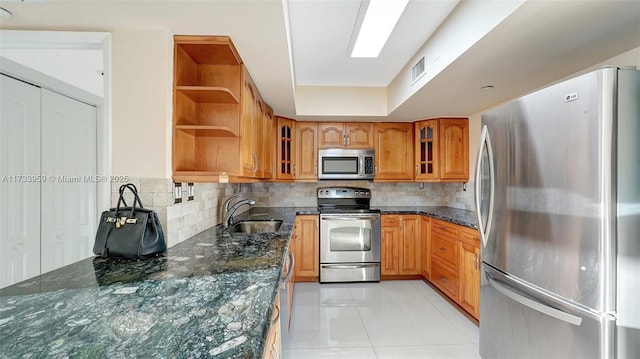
{"x":350,"y":238}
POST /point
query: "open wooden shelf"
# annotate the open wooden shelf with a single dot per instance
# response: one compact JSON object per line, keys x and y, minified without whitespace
{"x":203,"y":94}
{"x":209,"y":50}
{"x":207,"y":131}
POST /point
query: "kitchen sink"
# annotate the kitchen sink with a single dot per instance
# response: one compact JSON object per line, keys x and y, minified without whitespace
{"x":256,"y":226}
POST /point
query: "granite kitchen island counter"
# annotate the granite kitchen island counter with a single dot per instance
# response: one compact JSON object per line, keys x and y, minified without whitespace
{"x":209,"y":296}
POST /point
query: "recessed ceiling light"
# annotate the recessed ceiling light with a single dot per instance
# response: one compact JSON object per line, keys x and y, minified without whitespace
{"x":486,"y":88}
{"x":380,"y":19}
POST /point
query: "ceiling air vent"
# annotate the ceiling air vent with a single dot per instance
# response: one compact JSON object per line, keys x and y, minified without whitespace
{"x":417,"y":70}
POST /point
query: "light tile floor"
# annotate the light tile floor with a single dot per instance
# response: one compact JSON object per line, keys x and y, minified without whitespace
{"x":386,"y":320}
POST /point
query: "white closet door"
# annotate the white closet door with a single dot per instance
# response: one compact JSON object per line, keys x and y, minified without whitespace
{"x":19,"y":196}
{"x":68,"y":203}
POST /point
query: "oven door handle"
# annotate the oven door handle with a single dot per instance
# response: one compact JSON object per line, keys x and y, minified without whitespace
{"x":350,"y":266}
{"x":354,"y":218}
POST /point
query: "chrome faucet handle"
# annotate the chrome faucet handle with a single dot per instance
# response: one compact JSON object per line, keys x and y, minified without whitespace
{"x":229,"y":216}
{"x":227,"y":203}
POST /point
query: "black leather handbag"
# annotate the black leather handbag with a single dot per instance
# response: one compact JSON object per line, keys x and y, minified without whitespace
{"x":129,"y":232}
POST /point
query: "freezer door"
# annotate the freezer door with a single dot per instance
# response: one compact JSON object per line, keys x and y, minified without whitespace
{"x":628,"y":273}
{"x":550,"y":217}
{"x":519,"y":321}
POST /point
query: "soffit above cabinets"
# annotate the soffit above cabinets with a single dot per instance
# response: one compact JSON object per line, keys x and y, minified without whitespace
{"x":296,"y":50}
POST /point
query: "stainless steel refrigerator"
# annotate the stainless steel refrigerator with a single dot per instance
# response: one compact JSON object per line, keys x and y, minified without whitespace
{"x":558,"y":203}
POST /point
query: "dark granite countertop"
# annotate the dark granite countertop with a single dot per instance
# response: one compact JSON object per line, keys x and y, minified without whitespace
{"x":209,"y":296}
{"x":454,"y":215}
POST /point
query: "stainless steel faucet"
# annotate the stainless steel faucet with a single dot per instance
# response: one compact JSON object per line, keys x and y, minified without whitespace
{"x":229,"y":217}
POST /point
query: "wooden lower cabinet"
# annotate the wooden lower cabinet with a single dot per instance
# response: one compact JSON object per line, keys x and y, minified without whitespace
{"x":425,"y":233}
{"x":287,"y":282}
{"x":389,"y":254}
{"x":305,"y":243}
{"x":401,"y":243}
{"x":272,"y":349}
{"x":470,"y":272}
{"x":445,"y":278}
{"x":455,"y":263}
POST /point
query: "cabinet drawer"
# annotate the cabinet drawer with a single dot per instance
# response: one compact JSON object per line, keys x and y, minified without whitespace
{"x":448,"y":229}
{"x":445,"y":279}
{"x":470,"y":237}
{"x":390,"y":221}
{"x":446,"y":249}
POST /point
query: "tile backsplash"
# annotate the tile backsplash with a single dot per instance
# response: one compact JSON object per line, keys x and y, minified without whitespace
{"x":383,"y":194}
{"x":183,"y":220}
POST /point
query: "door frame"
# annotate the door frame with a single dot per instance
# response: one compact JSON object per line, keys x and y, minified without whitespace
{"x":19,"y":39}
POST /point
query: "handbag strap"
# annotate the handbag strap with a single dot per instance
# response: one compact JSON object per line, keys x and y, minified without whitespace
{"x":136,"y":199}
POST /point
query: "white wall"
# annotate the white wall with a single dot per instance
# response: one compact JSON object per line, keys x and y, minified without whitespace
{"x":141,"y":80}
{"x":78,"y":67}
{"x":629,"y":58}
{"x":341,"y":101}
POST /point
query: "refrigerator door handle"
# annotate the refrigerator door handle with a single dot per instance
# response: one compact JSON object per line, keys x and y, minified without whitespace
{"x":484,"y":141}
{"x":544,"y":309}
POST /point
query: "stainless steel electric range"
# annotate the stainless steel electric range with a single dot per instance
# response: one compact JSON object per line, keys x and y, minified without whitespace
{"x":349,"y":235}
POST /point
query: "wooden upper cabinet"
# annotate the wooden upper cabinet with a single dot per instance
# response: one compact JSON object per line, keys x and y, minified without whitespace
{"x":393,"y":144}
{"x":454,"y":149}
{"x":442,"y":150}
{"x":220,"y":122}
{"x":306,"y":156}
{"x":268,"y":136}
{"x":359,"y":135}
{"x":426,"y":150}
{"x":207,"y":90}
{"x":331,"y":135}
{"x":285,"y":149}
{"x":345,"y":135}
{"x":247,"y":131}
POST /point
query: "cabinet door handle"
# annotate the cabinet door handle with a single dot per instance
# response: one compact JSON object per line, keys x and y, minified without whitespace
{"x":294,"y":171}
{"x":348,"y":140}
{"x":416,"y":170}
{"x":277,"y":316}
{"x":442,"y":249}
{"x":443,"y":279}
{"x":255,"y":161}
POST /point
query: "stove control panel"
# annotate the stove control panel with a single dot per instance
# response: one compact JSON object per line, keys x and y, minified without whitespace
{"x":344,"y":192}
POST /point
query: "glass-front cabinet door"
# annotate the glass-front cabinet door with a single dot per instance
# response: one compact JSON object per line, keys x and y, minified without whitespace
{"x":285,"y":152}
{"x":426,"y":150}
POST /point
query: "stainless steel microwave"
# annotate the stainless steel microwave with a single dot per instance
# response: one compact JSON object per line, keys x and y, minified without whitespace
{"x":339,"y":163}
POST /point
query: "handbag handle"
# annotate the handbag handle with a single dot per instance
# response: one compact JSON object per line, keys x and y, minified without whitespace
{"x":136,"y":199}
